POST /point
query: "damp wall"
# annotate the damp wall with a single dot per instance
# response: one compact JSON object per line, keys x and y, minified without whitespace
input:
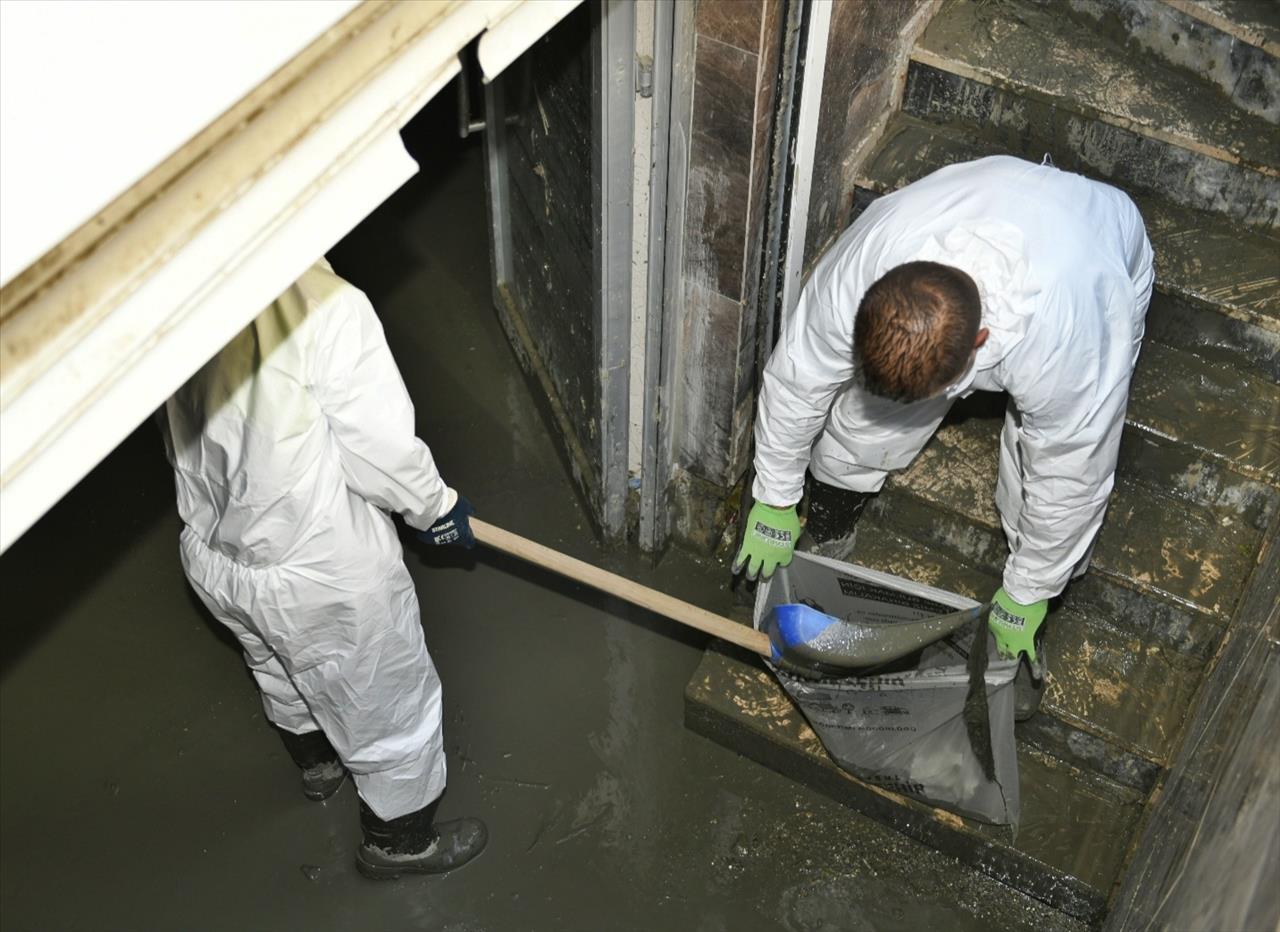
{"x":738,"y":56}
{"x":867,"y":54}
{"x":736,"y":46}
{"x":548,"y":305}
{"x":560,"y":163}
{"x":1209,"y":854}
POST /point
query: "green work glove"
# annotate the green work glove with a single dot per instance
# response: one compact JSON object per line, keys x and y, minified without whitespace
{"x":769,"y":541}
{"x":1015,"y":624}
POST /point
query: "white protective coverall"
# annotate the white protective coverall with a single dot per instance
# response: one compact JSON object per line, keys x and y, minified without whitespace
{"x":287,"y":447}
{"x":1064,"y":271}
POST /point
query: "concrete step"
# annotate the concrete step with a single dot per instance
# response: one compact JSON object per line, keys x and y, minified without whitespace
{"x":1075,"y":142}
{"x":1107,"y":598}
{"x":1228,"y":46}
{"x":1254,"y":22}
{"x":1218,"y":286}
{"x":1191,"y":555}
{"x":1191,"y":477}
{"x":1076,"y":828}
{"x":1104,"y":681}
{"x":1033,"y":71}
{"x":1217,"y":409}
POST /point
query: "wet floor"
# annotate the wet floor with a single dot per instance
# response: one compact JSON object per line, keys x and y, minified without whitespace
{"x":141,"y":789}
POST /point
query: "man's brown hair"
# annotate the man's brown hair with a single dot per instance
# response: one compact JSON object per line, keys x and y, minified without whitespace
{"x":915,"y":330}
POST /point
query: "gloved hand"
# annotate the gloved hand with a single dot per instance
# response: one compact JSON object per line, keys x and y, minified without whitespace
{"x":1014,"y":624}
{"x":769,"y":541}
{"x":453,"y":527}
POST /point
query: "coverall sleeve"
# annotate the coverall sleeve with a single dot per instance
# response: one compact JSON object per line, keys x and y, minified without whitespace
{"x":370,"y":414}
{"x":1071,"y":409}
{"x":811,"y":363}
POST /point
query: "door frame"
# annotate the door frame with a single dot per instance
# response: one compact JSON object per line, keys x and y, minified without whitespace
{"x":613,"y":115}
{"x":673,"y":50}
{"x":613,"y":92}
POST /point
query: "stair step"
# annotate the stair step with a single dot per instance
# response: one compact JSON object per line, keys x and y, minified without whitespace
{"x":1187,"y":475}
{"x":1213,"y":336}
{"x":1218,"y":284}
{"x":1193,"y":634}
{"x":1188,"y":554}
{"x":1219,"y":410}
{"x":1059,"y":739}
{"x":1169,"y":468}
{"x":1255,"y":22}
{"x":1076,"y":826}
{"x":1226,"y":281}
{"x":1040,"y":50}
{"x":1103,"y":681}
{"x":1036,"y":127}
{"x":1104,"y":597}
{"x":1231,"y":55}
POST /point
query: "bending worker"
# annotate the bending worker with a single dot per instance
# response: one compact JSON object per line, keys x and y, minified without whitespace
{"x":289,"y":447}
{"x":994,"y":275}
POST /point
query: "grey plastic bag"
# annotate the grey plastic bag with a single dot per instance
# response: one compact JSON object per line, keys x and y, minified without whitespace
{"x":905,"y":726}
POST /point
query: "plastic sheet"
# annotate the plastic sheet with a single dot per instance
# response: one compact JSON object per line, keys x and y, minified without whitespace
{"x":936,"y":725}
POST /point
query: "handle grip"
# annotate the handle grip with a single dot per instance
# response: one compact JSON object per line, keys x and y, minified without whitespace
{"x":625,"y":589}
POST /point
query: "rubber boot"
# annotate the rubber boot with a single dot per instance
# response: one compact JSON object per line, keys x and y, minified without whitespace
{"x":322,"y":771}
{"x":1028,"y":685}
{"x":832,"y":519}
{"x":415,"y":844}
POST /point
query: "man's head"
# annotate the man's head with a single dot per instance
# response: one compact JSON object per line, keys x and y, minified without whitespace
{"x":917,"y":330}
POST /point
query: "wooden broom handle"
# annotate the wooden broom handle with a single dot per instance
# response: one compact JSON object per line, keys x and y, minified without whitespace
{"x":620,"y":586}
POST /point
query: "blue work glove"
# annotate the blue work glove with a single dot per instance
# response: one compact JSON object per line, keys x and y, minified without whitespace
{"x":453,"y":527}
{"x":1014,"y":624}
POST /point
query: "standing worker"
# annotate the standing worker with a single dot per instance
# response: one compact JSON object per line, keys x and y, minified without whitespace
{"x":993,"y":275}
{"x":289,"y":448}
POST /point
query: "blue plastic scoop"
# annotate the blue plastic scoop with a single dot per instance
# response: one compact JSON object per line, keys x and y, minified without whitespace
{"x":808,"y":642}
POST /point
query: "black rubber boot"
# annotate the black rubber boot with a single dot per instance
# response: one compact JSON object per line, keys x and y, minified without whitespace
{"x":414,"y":844}
{"x":322,"y":771}
{"x":831,"y":520}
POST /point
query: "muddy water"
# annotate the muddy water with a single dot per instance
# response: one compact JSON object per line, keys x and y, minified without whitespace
{"x":140,"y":788}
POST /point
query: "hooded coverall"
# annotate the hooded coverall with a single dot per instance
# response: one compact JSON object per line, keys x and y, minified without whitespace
{"x":1064,"y":271}
{"x":289,"y":447}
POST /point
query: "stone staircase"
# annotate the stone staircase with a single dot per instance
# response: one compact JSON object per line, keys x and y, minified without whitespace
{"x":1106,"y":88}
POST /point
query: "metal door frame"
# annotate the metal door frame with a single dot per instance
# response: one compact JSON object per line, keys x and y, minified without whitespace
{"x":613,"y":92}
{"x":815,"y":32}
{"x":673,"y":32}
{"x":802,"y":64}
{"x":613,"y":116}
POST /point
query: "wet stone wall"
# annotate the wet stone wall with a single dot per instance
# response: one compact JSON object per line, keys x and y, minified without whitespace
{"x":1210,"y":853}
{"x":866,"y":59}
{"x":736,"y":56}
{"x":551,"y":152}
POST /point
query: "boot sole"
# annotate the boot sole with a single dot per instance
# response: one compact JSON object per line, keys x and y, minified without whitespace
{"x":376,"y":871}
{"x":319,"y":796}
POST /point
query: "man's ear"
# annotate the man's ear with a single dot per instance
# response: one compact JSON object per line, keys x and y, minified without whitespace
{"x":981,"y":337}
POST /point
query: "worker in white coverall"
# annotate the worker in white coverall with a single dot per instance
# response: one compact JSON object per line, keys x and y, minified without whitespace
{"x":994,"y":275}
{"x":290,"y":447}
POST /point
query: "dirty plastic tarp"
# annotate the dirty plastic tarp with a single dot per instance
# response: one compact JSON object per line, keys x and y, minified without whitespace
{"x":903,"y":726}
